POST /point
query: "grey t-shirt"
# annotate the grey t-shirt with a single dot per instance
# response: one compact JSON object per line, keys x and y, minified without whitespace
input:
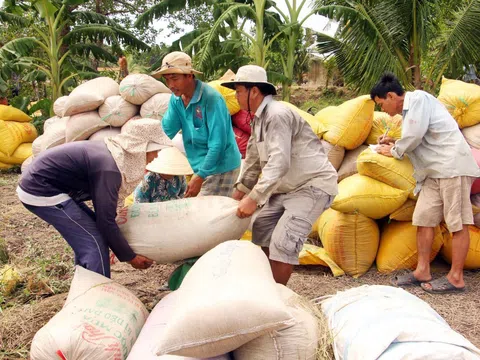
{"x":85,"y":170}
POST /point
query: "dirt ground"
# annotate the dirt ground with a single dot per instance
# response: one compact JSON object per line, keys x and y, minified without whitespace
{"x":46,"y":264}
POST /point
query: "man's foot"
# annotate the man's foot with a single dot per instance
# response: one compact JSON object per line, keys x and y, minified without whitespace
{"x":441,"y":286}
{"x":407,"y":279}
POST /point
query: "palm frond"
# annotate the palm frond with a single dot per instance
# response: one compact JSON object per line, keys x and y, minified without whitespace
{"x":461,"y":39}
{"x":100,"y":32}
{"x":165,"y":7}
{"x":8,"y":18}
{"x":18,"y":47}
{"x":277,"y":78}
{"x":85,"y":50}
{"x":207,"y":52}
{"x":89,"y":17}
{"x":73,"y":66}
{"x":365,"y":47}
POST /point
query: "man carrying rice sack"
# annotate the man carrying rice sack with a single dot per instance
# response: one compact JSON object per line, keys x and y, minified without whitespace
{"x":298,"y":181}
{"x":56,"y":184}
{"x":201,"y":113}
{"x":444,"y":172}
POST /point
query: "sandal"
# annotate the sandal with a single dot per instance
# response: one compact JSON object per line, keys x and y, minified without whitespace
{"x":407,"y":279}
{"x":441,"y":286}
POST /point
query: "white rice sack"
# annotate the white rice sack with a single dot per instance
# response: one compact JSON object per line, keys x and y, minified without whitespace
{"x":26,"y":164}
{"x":82,"y":126}
{"x":37,"y":145}
{"x":382,"y":322}
{"x":228,"y":298}
{"x":59,"y":106}
{"x":100,"y":135}
{"x":99,"y":321}
{"x":156,"y":323}
{"x":138,"y":88}
{"x":49,"y":122}
{"x":189,"y":227}
{"x":55,"y":134}
{"x":155,"y":107}
{"x":90,"y":95}
{"x":299,"y":341}
{"x":116,"y":111}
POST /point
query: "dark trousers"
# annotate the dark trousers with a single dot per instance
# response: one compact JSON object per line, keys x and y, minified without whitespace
{"x":77,"y":224}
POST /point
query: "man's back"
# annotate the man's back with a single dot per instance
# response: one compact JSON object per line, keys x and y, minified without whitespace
{"x":432,"y":139}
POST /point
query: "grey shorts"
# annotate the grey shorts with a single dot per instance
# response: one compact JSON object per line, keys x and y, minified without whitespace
{"x":444,"y":199}
{"x":285,"y":221}
{"x":220,"y":184}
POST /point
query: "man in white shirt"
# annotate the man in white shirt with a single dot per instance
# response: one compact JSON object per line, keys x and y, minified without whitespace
{"x":444,"y":172}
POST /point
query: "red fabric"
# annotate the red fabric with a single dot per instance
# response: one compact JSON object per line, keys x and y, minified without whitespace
{"x":476,"y":183}
{"x":242,"y":121}
{"x":241,"y":137}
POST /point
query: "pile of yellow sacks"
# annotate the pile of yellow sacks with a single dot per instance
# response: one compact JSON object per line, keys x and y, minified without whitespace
{"x":462,"y":100}
{"x":16,"y":136}
{"x":373,"y":187}
{"x":370,"y":220}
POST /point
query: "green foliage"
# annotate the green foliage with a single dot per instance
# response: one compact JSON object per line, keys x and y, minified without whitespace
{"x":44,"y":106}
{"x":329,"y":97}
{"x":21,"y":102}
{"x":62,"y":39}
{"x":397,"y":35}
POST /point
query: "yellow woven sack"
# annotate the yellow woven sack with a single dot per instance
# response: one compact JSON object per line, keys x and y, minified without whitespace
{"x":19,"y":155}
{"x":462,"y":101}
{"x":398,"y":246}
{"x":9,"y":113}
{"x":349,"y":124}
{"x":368,"y":196}
{"x":228,"y":94}
{"x":383,"y":122}
{"x":393,"y":172}
{"x":247,"y":235}
{"x":128,"y":200}
{"x":13,"y":133}
{"x":314,"y":123}
{"x":472,"y":261}
{"x":315,"y":255}
{"x":404,"y":212}
{"x":351,"y":240}
{"x":4,"y":166}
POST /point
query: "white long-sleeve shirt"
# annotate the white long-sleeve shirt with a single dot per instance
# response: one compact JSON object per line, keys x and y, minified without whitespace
{"x":432,"y":140}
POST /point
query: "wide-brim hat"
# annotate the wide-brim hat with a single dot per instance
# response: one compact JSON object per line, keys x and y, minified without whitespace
{"x":170,"y":161}
{"x":176,"y":62}
{"x":252,"y":75}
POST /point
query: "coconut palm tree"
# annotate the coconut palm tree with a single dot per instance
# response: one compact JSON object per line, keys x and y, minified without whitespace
{"x":399,"y":35}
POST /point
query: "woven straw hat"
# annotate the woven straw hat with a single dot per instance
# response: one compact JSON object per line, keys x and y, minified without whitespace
{"x":176,"y":62}
{"x":170,"y":161}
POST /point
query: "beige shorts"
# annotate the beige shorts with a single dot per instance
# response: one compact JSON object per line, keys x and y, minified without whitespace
{"x":285,"y":221}
{"x":444,"y":199}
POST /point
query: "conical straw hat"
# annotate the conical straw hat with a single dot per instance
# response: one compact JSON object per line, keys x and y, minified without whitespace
{"x":170,"y":161}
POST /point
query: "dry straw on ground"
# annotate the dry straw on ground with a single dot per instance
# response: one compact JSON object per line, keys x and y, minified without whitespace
{"x":19,"y":324}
